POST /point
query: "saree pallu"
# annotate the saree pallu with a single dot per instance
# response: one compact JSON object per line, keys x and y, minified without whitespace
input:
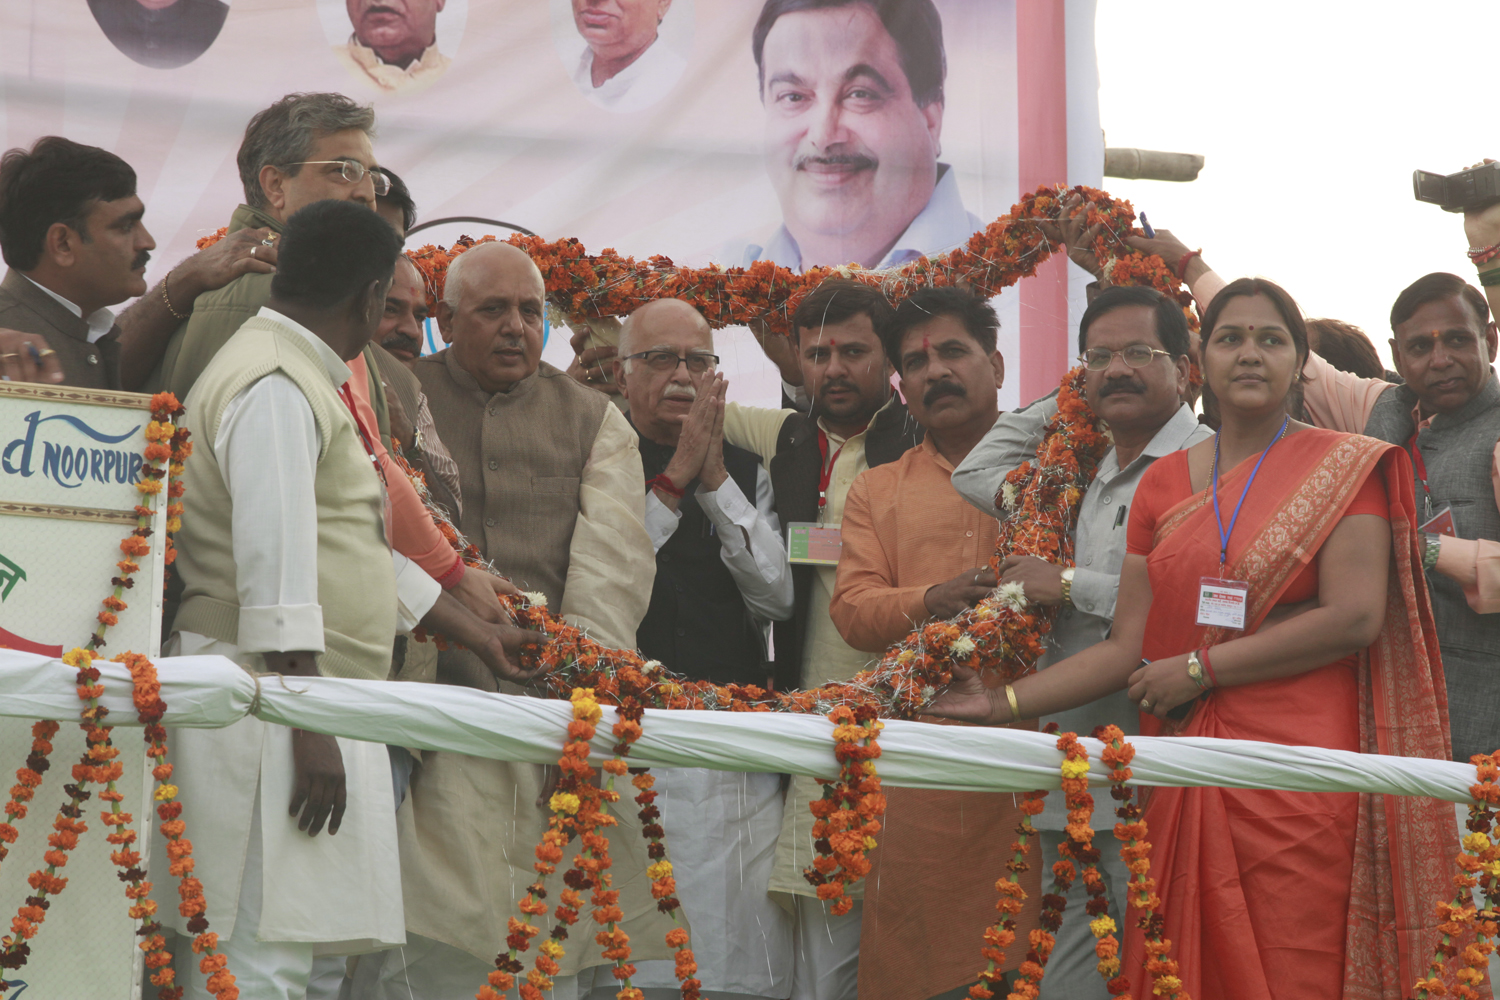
{"x":1290,"y":895}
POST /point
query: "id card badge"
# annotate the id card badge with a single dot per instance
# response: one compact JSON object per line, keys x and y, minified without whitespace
{"x":1222,"y":602}
{"x":1440,"y":523}
{"x":811,"y":544}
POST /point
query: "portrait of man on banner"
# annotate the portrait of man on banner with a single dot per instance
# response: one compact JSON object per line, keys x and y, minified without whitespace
{"x":162,"y":34}
{"x":633,"y":52}
{"x":853,"y":98}
{"x":394,"y":43}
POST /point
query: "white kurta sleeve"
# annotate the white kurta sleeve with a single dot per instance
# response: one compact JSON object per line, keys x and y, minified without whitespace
{"x":268,"y":445}
{"x":416,"y":592}
{"x":611,"y":563}
{"x":750,"y":545}
{"x":661,"y":521}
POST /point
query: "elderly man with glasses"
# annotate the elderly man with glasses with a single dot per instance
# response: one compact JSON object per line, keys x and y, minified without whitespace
{"x":722,"y":574}
{"x":1134,"y":345}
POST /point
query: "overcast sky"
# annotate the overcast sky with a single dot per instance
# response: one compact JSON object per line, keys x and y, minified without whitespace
{"x":1312,"y":116}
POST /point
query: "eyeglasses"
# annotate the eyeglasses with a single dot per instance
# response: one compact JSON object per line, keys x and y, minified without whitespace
{"x":666,"y":361}
{"x":1096,"y":359}
{"x":353,"y":171}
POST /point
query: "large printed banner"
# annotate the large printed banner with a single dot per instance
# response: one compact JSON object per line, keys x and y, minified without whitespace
{"x":803,"y":131}
{"x":69,"y":462}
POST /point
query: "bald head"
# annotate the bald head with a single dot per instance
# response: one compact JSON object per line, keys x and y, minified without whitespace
{"x":491,"y":314}
{"x":478,"y":263}
{"x":662,"y":315}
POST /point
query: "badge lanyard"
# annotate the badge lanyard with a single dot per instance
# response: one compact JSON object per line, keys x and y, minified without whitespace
{"x":1421,"y":467}
{"x":1222,"y":603}
{"x":826,"y":468}
{"x":1218,"y":515}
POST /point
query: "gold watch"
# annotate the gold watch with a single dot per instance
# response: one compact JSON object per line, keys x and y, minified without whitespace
{"x":1067,"y":585}
{"x":1195,"y":670}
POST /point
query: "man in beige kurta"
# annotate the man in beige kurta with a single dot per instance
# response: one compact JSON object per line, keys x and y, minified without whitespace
{"x":551,"y":479}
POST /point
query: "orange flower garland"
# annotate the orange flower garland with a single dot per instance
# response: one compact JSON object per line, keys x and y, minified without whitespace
{"x":1478,"y":859}
{"x":1012,"y":899}
{"x":847,"y":817}
{"x":590,"y":286}
{"x":28,"y":780}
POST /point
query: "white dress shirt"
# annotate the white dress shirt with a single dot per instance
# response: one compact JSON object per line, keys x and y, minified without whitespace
{"x":268,"y":444}
{"x":749,"y":541}
{"x":637,"y":86}
{"x":100,"y":321}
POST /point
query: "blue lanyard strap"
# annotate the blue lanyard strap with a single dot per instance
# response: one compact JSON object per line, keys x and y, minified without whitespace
{"x":1223,"y":532}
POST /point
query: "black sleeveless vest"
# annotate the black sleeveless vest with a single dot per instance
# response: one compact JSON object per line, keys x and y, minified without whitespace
{"x":795,"y":473}
{"x":697,"y":623}
{"x":1458,"y":449}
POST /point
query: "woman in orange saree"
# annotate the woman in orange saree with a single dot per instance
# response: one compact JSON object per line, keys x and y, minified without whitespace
{"x":1274,"y":895}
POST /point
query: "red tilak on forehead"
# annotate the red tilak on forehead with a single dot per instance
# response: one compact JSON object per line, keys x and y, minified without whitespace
{"x":926,"y":343}
{"x":833,"y":342}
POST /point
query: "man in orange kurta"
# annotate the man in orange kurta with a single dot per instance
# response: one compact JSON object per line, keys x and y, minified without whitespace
{"x":913,"y":550}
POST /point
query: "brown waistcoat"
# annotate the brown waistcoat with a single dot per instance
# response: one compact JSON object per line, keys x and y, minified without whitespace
{"x":520,"y":458}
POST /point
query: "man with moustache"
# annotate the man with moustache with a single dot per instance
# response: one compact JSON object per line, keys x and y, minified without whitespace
{"x":853,"y":92}
{"x":1133,"y":341}
{"x":394,"y":44}
{"x":624,"y":65}
{"x":914,"y":551}
{"x":71,"y":233}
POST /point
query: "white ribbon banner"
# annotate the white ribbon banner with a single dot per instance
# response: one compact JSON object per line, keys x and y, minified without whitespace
{"x":210,"y":692}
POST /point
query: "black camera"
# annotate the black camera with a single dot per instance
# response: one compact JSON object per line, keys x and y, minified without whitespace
{"x":1466,"y":191}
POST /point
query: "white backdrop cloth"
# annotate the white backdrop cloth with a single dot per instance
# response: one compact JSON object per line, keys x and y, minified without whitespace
{"x":211,"y":692}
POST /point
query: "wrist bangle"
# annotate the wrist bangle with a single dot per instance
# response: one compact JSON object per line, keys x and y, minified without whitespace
{"x":450,"y":579}
{"x":1489,"y":275}
{"x":1015,"y":707}
{"x":165,"y":297}
{"x":1431,"y":550}
{"x":664,"y":484}
{"x":1483,"y":255}
{"x":1213,"y":679}
{"x":1184,"y":260}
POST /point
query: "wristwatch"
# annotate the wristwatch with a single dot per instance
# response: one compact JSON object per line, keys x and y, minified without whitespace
{"x":1067,"y":585}
{"x":1433,"y":546}
{"x":1195,"y":670}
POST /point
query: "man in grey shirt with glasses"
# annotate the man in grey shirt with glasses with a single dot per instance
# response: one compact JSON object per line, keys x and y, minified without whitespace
{"x":1134,"y":343}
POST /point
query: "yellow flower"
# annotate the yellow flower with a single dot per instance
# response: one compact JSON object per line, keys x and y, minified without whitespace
{"x":552,"y":949}
{"x":166,"y":793}
{"x":660,"y":870}
{"x":869,"y":843}
{"x":1075,"y":767}
{"x":1166,"y":985}
{"x":77,"y":657}
{"x":1476,"y":842}
{"x":564,"y":802}
{"x":585,"y":708}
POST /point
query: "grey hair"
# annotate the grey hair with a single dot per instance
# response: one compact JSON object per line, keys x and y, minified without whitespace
{"x":284,"y":133}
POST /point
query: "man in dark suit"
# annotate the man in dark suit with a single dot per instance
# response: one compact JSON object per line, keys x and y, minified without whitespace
{"x":71,"y":232}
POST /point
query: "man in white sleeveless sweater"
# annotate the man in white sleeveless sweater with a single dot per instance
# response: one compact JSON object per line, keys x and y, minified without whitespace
{"x":287,"y":570}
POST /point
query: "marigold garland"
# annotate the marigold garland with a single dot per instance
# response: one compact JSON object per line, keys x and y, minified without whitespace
{"x":28,"y":780}
{"x":1478,"y":867}
{"x":847,"y":817}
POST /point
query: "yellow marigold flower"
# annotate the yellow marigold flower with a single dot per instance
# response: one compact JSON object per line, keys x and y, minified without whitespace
{"x":1102,"y":926}
{"x":552,"y":949}
{"x":869,"y":843}
{"x":660,"y":870}
{"x":564,"y":802}
{"x":165,"y":793}
{"x":1166,"y":986}
{"x":1075,"y":767}
{"x":1476,"y":842}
